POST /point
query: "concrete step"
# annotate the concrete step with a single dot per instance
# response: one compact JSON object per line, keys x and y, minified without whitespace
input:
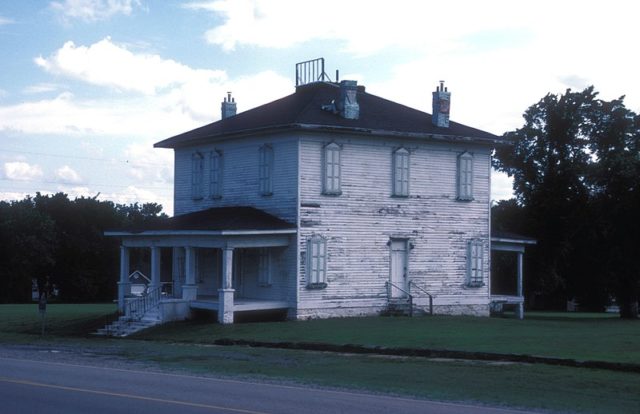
{"x":125,"y":325}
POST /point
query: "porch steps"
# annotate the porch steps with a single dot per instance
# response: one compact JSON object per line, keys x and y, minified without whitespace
{"x":126,"y":326}
{"x":398,"y":307}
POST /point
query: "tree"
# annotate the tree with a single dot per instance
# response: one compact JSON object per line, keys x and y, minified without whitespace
{"x":575,"y":170}
{"x":615,"y":143}
{"x":548,"y":164}
{"x":28,"y":243}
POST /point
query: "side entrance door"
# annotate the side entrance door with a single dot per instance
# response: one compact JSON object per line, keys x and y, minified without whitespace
{"x":398,"y":268}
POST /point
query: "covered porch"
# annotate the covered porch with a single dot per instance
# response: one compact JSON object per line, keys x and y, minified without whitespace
{"x":224,"y":259}
{"x":514,"y":243}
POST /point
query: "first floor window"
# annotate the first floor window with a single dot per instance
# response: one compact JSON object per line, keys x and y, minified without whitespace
{"x":475,"y":254}
{"x":465,"y":176}
{"x":264,"y":267}
{"x":197,"y":172}
{"x":316,"y":262}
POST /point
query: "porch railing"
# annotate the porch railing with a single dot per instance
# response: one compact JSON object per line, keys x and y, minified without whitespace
{"x":136,"y":308}
{"x":420,"y":288}
{"x":391,"y":285}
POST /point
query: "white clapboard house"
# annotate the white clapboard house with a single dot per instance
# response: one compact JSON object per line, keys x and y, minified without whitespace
{"x":329,"y":202}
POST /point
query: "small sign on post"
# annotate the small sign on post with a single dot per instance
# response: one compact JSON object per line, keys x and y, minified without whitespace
{"x":42,"y":307}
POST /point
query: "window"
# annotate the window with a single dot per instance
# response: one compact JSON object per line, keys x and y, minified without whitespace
{"x":197,"y":171}
{"x":401,"y":173}
{"x":264,"y":267}
{"x":331,"y":170}
{"x":265,"y":170}
{"x":316,"y":262}
{"x":215,"y":174}
{"x":475,"y":273}
{"x":465,"y":176}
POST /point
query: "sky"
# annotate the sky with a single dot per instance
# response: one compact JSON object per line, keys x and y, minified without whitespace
{"x":87,"y":86}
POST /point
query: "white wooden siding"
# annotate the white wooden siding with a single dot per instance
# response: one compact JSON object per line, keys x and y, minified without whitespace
{"x":240,"y":183}
{"x":359,"y":223}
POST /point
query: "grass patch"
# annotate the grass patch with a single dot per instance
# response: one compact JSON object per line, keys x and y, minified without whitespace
{"x":60,"y":319}
{"x":579,"y":336}
{"x":185,"y":347}
{"x":509,"y":385}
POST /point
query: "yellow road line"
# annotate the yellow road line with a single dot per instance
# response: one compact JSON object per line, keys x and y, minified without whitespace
{"x":130,"y":396}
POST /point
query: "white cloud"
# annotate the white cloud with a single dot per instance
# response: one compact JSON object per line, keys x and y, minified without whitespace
{"x":363,"y":28}
{"x":167,"y":97}
{"x":41,"y":88}
{"x":4,"y":20}
{"x":133,"y":194}
{"x":149,"y":164}
{"x":21,"y":171}
{"x":107,"y":64}
{"x":93,"y":10}
{"x":67,"y":175}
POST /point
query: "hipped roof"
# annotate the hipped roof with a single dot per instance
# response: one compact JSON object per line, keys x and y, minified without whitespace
{"x":302,"y":110}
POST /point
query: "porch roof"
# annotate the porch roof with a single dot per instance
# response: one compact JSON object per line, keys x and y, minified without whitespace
{"x":236,"y":220}
{"x":500,"y":239}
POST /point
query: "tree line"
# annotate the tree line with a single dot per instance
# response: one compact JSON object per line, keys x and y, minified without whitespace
{"x":575,"y":165}
{"x":59,"y":243}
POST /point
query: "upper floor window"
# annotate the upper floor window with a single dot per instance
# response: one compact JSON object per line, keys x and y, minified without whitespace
{"x":475,"y":269}
{"x":197,"y":172}
{"x":401,"y":173}
{"x":316,"y":262}
{"x":332,"y":169}
{"x":215,"y":174}
{"x":465,"y":176}
{"x":265,"y":167}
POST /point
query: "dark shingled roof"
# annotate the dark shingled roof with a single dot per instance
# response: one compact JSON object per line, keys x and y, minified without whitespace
{"x":218,"y":219}
{"x":303,"y":110}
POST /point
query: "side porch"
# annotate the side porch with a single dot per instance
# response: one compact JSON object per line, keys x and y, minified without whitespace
{"x":505,"y":293}
{"x":207,"y":265}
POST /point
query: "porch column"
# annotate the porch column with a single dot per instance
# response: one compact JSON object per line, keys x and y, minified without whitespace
{"x":520,"y":308}
{"x":124,"y":286}
{"x":190,"y":289}
{"x":155,"y":267}
{"x":225,"y":295}
{"x":177,"y":273}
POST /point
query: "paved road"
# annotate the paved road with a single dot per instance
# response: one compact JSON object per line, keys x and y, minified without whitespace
{"x":41,"y":387}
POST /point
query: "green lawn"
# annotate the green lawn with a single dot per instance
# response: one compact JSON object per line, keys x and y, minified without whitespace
{"x":598,"y":337}
{"x":60,"y":319}
{"x":184,"y":347}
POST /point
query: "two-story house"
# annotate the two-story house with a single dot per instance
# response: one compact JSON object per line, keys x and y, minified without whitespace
{"x":328,"y":202}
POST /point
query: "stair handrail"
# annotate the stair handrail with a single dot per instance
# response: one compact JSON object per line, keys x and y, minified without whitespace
{"x":136,"y":308}
{"x":389,"y":284}
{"x":411,"y":282}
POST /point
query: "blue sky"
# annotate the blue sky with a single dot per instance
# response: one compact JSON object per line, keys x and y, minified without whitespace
{"x":87,"y":86}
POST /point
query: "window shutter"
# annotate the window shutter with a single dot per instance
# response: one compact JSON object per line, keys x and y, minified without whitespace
{"x":316,"y":262}
{"x":265,"y":170}
{"x":332,"y":169}
{"x":401,"y":173}
{"x":215,"y":175}
{"x":196,"y":175}
{"x":465,"y":176}
{"x":475,"y":271}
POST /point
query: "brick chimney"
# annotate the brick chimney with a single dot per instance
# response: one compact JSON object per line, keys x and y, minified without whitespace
{"x":441,"y":106}
{"x":347,"y":104}
{"x":228,"y":106}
